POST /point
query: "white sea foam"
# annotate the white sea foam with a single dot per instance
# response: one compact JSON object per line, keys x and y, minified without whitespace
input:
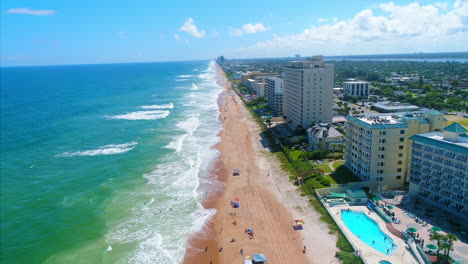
{"x":156,"y":232}
{"x":181,"y":80}
{"x":194,"y":87}
{"x":185,"y":76}
{"x":143,"y":115}
{"x":104,"y":150}
{"x":163,"y":106}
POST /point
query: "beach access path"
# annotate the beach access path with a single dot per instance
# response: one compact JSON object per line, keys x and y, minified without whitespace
{"x":269,"y":203}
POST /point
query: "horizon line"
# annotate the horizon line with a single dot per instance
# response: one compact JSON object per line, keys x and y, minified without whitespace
{"x":133,"y":62}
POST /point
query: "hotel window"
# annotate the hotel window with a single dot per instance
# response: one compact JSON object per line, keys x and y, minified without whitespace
{"x":379,"y":171}
{"x":398,"y":170}
{"x":380,"y":164}
{"x":400,"y":155}
{"x":402,"y":132}
{"x":400,"y":162}
{"x":400,"y":147}
{"x":402,"y":139}
{"x":379,"y":178}
{"x":398,"y":177}
{"x":382,"y":140}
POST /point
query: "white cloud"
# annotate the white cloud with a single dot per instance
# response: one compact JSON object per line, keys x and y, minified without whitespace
{"x":189,"y":27}
{"x":248,"y":29}
{"x":400,"y":28}
{"x":27,"y":11}
{"x":176,"y":36}
{"x":322,"y":20}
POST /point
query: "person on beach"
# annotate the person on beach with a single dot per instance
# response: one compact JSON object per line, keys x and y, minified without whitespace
{"x":206,"y":249}
{"x":242,"y":252}
{"x":220,"y":249}
{"x":221,"y":230}
{"x":304,"y":251}
{"x":234,"y":223}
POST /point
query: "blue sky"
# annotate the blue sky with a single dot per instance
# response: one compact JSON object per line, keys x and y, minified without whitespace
{"x":52,"y":32}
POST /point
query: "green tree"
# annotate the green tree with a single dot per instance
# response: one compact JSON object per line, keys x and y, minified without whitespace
{"x":455,"y":82}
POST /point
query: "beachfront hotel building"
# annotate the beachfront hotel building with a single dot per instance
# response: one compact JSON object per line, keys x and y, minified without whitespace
{"x":308,"y":92}
{"x":438,"y":171}
{"x":356,"y":89}
{"x":377,"y":146}
{"x":274,"y":93}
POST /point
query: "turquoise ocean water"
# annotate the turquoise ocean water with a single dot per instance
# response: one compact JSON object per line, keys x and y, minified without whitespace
{"x":105,"y":163}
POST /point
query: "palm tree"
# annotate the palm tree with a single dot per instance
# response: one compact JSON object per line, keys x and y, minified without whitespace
{"x":448,"y":244}
{"x":438,"y":237}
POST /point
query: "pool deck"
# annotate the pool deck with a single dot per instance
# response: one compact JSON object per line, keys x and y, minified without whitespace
{"x":368,"y":253}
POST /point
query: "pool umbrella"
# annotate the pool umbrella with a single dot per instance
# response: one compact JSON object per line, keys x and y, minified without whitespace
{"x":389,"y":207}
{"x":299,"y":222}
{"x":377,"y":198}
{"x":413,"y":225}
{"x":435,"y":229}
{"x":412,"y":229}
{"x":431,"y":246}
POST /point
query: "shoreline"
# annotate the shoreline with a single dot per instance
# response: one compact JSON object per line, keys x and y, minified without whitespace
{"x":268,"y":201}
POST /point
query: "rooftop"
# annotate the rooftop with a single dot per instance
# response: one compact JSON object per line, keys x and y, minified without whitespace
{"x":391,"y":120}
{"x":437,"y":139}
{"x":455,"y":128}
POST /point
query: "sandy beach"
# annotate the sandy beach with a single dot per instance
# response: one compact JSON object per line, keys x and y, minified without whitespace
{"x":269,"y":203}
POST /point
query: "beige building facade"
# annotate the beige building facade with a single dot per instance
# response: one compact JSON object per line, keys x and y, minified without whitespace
{"x":377,"y":146}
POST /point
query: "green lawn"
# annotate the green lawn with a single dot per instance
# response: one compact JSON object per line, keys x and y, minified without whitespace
{"x":324,"y":168}
{"x":343,"y":175}
{"x":337,"y":164}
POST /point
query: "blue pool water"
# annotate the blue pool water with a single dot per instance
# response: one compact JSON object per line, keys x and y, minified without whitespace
{"x":368,"y":231}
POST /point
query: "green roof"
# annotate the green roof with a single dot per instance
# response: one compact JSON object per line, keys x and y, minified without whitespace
{"x":340,"y":195}
{"x":455,"y":128}
{"x":356,"y":193}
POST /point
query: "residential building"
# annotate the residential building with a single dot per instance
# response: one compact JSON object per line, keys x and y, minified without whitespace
{"x":274,"y":94}
{"x":251,"y":85}
{"x":439,"y":169}
{"x":377,"y":146}
{"x":356,"y":89}
{"x":308,"y":92}
{"x":325,"y":136}
{"x":260,"y":89}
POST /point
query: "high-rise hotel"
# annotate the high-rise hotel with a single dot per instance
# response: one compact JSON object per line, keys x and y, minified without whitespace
{"x":439,"y":169}
{"x":308,"y":92}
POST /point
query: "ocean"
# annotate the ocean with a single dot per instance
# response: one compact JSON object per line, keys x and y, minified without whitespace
{"x":106,"y":163}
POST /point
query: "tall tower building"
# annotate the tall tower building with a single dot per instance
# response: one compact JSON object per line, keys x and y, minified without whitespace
{"x":308,"y":92}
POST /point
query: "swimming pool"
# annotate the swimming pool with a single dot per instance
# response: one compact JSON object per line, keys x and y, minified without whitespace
{"x":368,"y":231}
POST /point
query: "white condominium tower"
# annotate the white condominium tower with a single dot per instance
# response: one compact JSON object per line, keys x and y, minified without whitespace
{"x":308,"y":92}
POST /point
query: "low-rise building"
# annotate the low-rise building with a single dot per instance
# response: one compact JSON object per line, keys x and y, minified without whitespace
{"x":439,"y":169}
{"x":377,"y":146}
{"x":393,"y":107}
{"x":356,"y":89}
{"x":325,"y":136}
{"x":274,"y":94}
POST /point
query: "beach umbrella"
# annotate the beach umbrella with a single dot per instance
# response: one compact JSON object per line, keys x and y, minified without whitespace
{"x":299,"y":222}
{"x":389,"y":207}
{"x":250,"y":229}
{"x":236,"y":205}
{"x":248,"y":257}
{"x":412,"y":229}
{"x":435,"y":229}
{"x":236,"y":170}
{"x":431,"y":246}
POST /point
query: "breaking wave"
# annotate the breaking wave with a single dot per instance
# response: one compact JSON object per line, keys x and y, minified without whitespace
{"x":143,"y":115}
{"x":104,"y":150}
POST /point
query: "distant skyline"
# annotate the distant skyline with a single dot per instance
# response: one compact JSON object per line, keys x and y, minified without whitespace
{"x":54,"y":32}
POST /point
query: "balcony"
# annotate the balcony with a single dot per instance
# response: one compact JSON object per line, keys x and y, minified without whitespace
{"x":427,"y":156}
{"x":448,"y":163}
{"x":461,"y":167}
{"x":465,"y":201}
{"x":447,"y":170}
{"x":416,"y":146}
{"x":439,"y":160}
{"x":457,"y":182}
{"x":462,"y":158}
{"x":455,"y":198}
{"x":426,"y":149}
